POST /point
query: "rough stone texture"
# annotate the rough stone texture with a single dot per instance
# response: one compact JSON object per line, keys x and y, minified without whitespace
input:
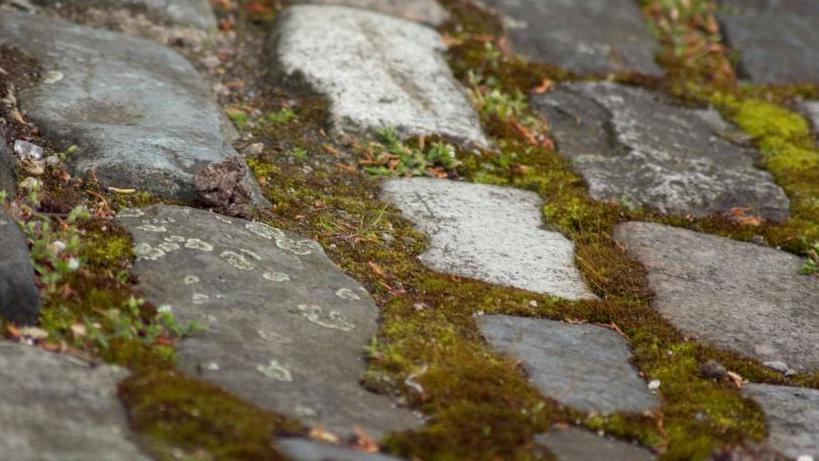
{"x":573,"y":444}
{"x":735,"y":295}
{"x":776,"y":39}
{"x":194,"y":13}
{"x":221,"y":186}
{"x":139,"y":112}
{"x":588,"y":36}
{"x":56,"y":408}
{"x":792,"y":415}
{"x":811,"y":109}
{"x":425,"y":11}
{"x":19,"y":297}
{"x":582,"y":366}
{"x":489,"y":233}
{"x":378,"y":71}
{"x":8,"y":180}
{"x":308,"y":450}
{"x":631,"y":145}
{"x":285,"y":328}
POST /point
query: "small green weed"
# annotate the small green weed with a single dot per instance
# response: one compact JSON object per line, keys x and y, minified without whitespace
{"x":283,"y":115}
{"x":811,"y":266}
{"x":392,"y":158}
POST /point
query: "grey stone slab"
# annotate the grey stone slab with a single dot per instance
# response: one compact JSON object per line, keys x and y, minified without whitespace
{"x":776,"y":39}
{"x":308,"y":450}
{"x":573,"y":444}
{"x":489,"y":233}
{"x":811,"y":109}
{"x":792,"y":416}
{"x":378,"y":71}
{"x":8,"y":179}
{"x":139,"y":112}
{"x":425,"y":11}
{"x":56,"y":408}
{"x":740,"y":296}
{"x":584,"y":366}
{"x":19,"y":297}
{"x":286,"y":329}
{"x":633,"y":146}
{"x":192,"y":13}
{"x":583,"y":36}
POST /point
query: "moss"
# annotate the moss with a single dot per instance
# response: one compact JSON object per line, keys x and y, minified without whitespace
{"x":173,"y":412}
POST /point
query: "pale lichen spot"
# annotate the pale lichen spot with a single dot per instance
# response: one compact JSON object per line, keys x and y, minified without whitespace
{"x":191,"y":279}
{"x":303,"y":411}
{"x":168,"y":246}
{"x":131,"y":213}
{"x":263,"y":230}
{"x":251,"y":254}
{"x":200,"y":298}
{"x":211,"y":366}
{"x":223,"y":219}
{"x":276,"y":276}
{"x":348,"y":294}
{"x":175,"y":239}
{"x":273,"y":336}
{"x":152,"y":228}
{"x":298,"y":247}
{"x":274,"y":370}
{"x":334,"y":320}
{"x":196,"y":244}
{"x":236,"y":260}
{"x":147,"y":252}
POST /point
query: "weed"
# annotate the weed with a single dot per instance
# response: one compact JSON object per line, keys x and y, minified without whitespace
{"x":392,"y":158}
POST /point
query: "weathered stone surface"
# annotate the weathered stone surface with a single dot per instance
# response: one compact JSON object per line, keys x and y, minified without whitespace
{"x":489,"y":233}
{"x":139,"y":112}
{"x":573,"y":444}
{"x":631,"y":145}
{"x":56,"y":408}
{"x":19,"y":297}
{"x":194,"y":13}
{"x":285,"y":328}
{"x":792,"y":416}
{"x":425,"y":11}
{"x":589,"y":36}
{"x":740,"y":296}
{"x":8,"y":181}
{"x":308,"y":450}
{"x":812,"y":111}
{"x":776,"y":39}
{"x":378,"y":71}
{"x":582,"y":366}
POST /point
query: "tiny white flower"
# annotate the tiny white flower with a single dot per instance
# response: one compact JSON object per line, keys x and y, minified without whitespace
{"x":73,"y":264}
{"x":165,"y":309}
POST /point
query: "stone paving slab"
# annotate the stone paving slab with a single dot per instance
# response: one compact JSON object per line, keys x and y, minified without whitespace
{"x":776,"y":39}
{"x":139,"y":112}
{"x":586,"y":37}
{"x":19,"y":296}
{"x":378,"y":71}
{"x":792,"y":416}
{"x":634,"y":147}
{"x":585,"y":367}
{"x":573,"y":444}
{"x":57,"y":408}
{"x":286,"y":329}
{"x":308,"y":450}
{"x":740,"y":296}
{"x":425,"y":11}
{"x":489,"y":233}
{"x":194,"y":13}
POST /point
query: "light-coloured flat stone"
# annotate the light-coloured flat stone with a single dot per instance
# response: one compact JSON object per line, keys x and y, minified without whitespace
{"x":286,"y":330}
{"x":587,"y":36}
{"x":426,"y":11}
{"x":812,"y":111}
{"x":792,"y":416}
{"x":139,"y":113}
{"x":489,"y":233}
{"x":195,"y":13}
{"x":635,"y":147}
{"x":378,"y":71}
{"x":585,"y":367}
{"x":573,"y":444}
{"x":309,"y":450}
{"x":57,"y":408}
{"x":740,"y":296}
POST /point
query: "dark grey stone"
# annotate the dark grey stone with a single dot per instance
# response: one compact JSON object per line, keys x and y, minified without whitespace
{"x":633,"y":146}
{"x":194,"y":13}
{"x":792,"y":415}
{"x":140,"y":114}
{"x":777,"y":39}
{"x":573,"y":444}
{"x":744,"y":297}
{"x":286,"y":329}
{"x":57,"y":408}
{"x":19,"y":297}
{"x":585,"y":367}
{"x":8,"y":180}
{"x":583,"y":36}
{"x":308,"y":450}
